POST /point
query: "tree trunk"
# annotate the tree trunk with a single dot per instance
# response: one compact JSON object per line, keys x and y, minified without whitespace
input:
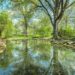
{"x":55,"y":31}
{"x":25,"y":31}
{"x":25,"y":26}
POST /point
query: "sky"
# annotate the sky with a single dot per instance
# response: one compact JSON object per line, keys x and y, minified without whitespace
{"x":5,"y":5}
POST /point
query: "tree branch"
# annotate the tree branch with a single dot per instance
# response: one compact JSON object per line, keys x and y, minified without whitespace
{"x":46,"y":11}
{"x":51,"y":7}
{"x":70,"y":4}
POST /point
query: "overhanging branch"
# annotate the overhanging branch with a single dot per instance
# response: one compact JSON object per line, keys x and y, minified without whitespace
{"x":46,"y":11}
{"x":50,"y":6}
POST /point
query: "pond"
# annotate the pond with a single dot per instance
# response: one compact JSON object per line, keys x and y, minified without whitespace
{"x":36,"y":57}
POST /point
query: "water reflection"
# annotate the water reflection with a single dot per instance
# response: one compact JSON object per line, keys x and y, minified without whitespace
{"x":55,"y":67}
{"x":36,"y":57}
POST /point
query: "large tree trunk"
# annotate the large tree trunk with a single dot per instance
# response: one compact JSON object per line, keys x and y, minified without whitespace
{"x":55,"y":30}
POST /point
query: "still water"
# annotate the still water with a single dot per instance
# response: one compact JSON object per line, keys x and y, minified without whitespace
{"x":36,"y":57}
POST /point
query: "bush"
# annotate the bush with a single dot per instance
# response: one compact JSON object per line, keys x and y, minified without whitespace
{"x":66,"y":32}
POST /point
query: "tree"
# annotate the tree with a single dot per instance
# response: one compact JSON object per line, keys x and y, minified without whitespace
{"x":9,"y":30}
{"x":3,"y":21}
{"x":42,"y":26}
{"x":25,"y":7}
{"x":55,"y":10}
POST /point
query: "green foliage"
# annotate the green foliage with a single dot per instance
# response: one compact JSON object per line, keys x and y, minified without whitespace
{"x":43,"y":31}
{"x":29,"y":19}
{"x":67,"y":32}
{"x":41,"y":27}
{"x":6,"y":27}
{"x":9,"y":30}
{"x":3,"y":21}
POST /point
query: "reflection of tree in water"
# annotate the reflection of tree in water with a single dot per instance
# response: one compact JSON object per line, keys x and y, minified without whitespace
{"x":55,"y":67}
{"x":6,"y":56}
{"x":3,"y":60}
{"x":27,"y":67}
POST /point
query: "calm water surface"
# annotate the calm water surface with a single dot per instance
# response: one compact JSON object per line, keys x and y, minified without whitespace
{"x":36,"y":57}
